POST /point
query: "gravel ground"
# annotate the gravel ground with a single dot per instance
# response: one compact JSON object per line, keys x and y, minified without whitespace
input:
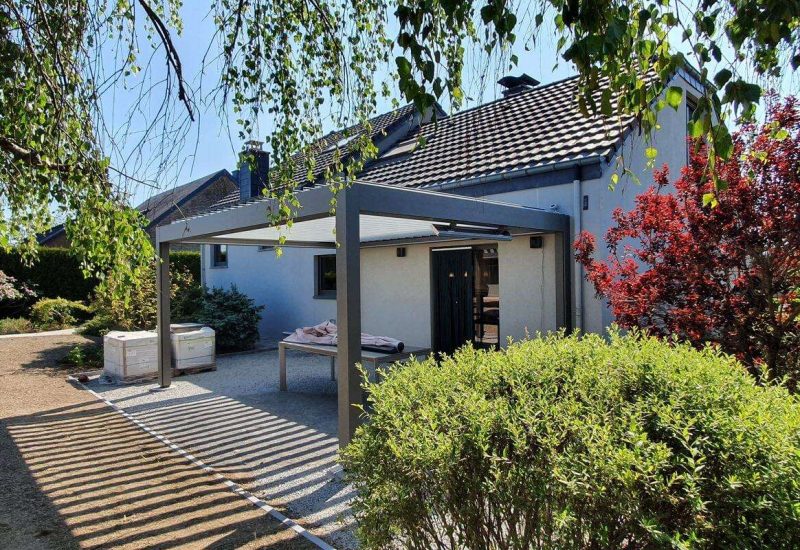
{"x":75,"y":474}
{"x":282,"y":446}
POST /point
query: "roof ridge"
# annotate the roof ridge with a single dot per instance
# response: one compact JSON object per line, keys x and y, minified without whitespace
{"x":509,"y":97}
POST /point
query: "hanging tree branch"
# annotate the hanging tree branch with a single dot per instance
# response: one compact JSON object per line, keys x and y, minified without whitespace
{"x":173,"y":59}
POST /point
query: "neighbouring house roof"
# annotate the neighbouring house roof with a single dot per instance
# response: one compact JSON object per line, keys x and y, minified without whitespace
{"x":159,"y":206}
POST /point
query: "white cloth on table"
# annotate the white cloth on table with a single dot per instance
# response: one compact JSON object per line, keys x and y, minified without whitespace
{"x":325,"y":334}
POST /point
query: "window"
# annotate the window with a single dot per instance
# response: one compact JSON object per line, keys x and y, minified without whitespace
{"x":265,"y":248}
{"x":325,"y":273}
{"x":691,"y":108}
{"x":219,"y":255}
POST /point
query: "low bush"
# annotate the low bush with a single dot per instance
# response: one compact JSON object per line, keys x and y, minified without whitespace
{"x":233,"y":316}
{"x":88,"y":356}
{"x":54,"y":313}
{"x":99,"y":325}
{"x":567,"y":442}
{"x":18,"y":325}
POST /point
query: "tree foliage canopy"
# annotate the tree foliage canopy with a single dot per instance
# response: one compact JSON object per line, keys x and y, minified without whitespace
{"x":299,"y":61}
{"x":727,"y":274}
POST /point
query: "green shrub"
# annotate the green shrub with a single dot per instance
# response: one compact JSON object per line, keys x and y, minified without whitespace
{"x":51,"y":313}
{"x":99,"y":325}
{"x":18,"y":325}
{"x":185,"y":260}
{"x":55,"y":274}
{"x":85,"y":356}
{"x":566,"y":442}
{"x":188,"y":305}
{"x":233,"y":316}
{"x":140,"y":311}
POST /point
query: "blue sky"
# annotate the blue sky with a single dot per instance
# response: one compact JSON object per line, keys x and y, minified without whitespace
{"x":211,"y":142}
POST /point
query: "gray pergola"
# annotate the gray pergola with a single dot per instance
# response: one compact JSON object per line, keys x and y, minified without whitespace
{"x":357,"y":209}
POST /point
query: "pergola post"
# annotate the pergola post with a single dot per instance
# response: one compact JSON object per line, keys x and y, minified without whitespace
{"x":348,"y":312}
{"x":162,"y":292}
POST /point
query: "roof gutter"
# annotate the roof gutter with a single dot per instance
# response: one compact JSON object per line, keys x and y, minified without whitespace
{"x":514,"y":174}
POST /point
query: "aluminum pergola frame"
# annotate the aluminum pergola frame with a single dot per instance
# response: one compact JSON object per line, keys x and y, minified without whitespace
{"x":351,"y":203}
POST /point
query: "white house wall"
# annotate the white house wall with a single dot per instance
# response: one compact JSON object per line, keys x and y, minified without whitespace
{"x":396,"y":291}
{"x":669,"y":140}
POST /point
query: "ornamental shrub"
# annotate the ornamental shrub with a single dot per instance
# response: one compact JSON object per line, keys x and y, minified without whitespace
{"x":729,"y":273}
{"x":139,"y":312}
{"x":16,"y":297}
{"x":233,"y":316}
{"x":55,"y":313}
{"x":577,"y":442}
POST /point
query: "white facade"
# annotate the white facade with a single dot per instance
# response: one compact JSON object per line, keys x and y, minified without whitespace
{"x":396,"y":291}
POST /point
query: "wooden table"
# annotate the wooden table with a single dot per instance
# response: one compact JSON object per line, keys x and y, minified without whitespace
{"x":374,"y":357}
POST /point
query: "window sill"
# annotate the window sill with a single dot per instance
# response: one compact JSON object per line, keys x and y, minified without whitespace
{"x":325,"y":296}
{"x":218,"y":266}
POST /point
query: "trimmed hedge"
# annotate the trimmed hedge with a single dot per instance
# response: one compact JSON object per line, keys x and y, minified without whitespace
{"x":56,"y":274}
{"x":568,"y":442}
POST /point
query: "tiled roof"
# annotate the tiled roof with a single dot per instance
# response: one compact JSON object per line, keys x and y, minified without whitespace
{"x":324,"y":150}
{"x":536,"y":127}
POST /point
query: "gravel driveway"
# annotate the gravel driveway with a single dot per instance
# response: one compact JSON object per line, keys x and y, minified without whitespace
{"x":76,"y":474}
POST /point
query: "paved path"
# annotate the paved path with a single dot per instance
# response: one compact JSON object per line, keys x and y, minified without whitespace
{"x":77,"y":474}
{"x":62,"y":332}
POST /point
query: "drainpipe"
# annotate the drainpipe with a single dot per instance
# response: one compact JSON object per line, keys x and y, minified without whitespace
{"x":577,"y":212}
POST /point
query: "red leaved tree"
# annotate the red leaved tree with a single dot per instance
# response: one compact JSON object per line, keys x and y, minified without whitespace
{"x":727,"y":272}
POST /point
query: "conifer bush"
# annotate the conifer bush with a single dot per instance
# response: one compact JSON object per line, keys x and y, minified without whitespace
{"x":577,"y":442}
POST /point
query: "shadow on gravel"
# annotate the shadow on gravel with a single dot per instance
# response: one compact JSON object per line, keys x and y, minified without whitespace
{"x":28,"y":517}
{"x":83,"y":476}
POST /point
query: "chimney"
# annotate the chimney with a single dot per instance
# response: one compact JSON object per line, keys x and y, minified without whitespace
{"x":253,"y":170}
{"x":516,"y":84}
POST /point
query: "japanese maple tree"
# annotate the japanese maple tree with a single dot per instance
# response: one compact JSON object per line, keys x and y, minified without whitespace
{"x":723,"y":267}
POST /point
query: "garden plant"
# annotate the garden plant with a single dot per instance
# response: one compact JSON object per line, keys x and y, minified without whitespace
{"x":577,"y":442}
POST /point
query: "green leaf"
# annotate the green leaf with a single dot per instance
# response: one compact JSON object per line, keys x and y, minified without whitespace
{"x":781,"y":134}
{"x":723,"y":143}
{"x":674,"y":95}
{"x":710,"y":199}
{"x":651,"y":152}
{"x":722,"y":77}
{"x":403,"y":67}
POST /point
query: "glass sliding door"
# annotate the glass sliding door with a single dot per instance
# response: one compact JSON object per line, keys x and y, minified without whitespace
{"x":486,"y":296}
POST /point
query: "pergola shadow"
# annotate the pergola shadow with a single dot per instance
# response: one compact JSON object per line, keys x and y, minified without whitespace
{"x":366,"y":215}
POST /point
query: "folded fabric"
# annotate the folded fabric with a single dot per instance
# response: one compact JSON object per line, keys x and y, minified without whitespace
{"x":325,"y":334}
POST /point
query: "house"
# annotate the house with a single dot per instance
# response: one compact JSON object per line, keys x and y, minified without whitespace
{"x":165,"y":207}
{"x":531,"y":148}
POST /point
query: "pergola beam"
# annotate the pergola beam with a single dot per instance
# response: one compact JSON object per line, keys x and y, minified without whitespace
{"x":382,"y":200}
